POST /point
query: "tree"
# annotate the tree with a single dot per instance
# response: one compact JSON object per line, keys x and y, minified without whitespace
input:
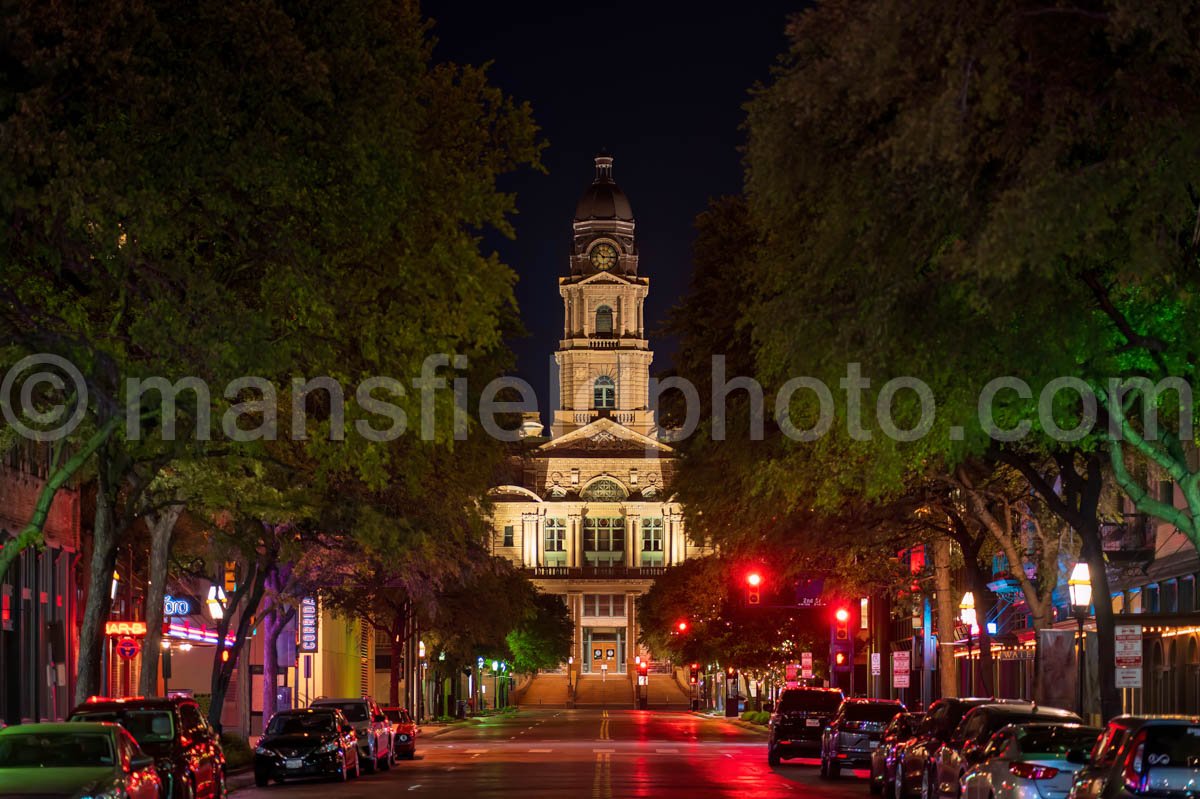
{"x":543,"y":638}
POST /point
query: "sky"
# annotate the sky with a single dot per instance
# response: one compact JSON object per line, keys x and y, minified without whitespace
{"x":660,"y":86}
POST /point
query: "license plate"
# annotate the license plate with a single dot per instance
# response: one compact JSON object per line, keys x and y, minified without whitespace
{"x":295,"y":762}
{"x":813,"y":722}
{"x":874,"y":744}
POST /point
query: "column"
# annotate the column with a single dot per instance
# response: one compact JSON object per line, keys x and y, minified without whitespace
{"x":577,"y":544}
{"x":567,"y":315}
{"x":529,"y":539}
{"x":631,"y":638}
{"x":669,"y":539}
{"x":636,"y":524}
{"x":631,"y":522}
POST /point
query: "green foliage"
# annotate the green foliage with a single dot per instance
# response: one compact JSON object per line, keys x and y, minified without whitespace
{"x":543,"y":638}
{"x":756,"y":716}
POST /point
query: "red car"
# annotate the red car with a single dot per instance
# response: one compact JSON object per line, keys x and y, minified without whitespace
{"x":404,"y":732}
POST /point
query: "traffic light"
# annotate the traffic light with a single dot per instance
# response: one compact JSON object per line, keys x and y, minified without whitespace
{"x":643,"y":668}
{"x":694,"y":674}
{"x":842,"y":626}
{"x":840,"y":660}
{"x":230,"y":576}
{"x":682,"y":627}
{"x":753,"y":585}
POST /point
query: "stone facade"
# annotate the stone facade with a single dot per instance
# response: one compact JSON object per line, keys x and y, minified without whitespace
{"x":591,"y":516}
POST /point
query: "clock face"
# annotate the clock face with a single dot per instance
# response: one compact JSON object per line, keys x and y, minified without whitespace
{"x":604,"y":256}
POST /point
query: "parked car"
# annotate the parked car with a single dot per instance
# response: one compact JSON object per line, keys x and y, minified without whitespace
{"x":312,"y":742}
{"x":186,"y":751}
{"x":912,"y":771}
{"x":1089,"y":780}
{"x":1029,"y":761}
{"x":966,"y":746}
{"x":1155,"y":756}
{"x":373,"y":729}
{"x":799,"y":720}
{"x":883,"y":759}
{"x":855,"y":733}
{"x":404,"y":732}
{"x":75,"y":759}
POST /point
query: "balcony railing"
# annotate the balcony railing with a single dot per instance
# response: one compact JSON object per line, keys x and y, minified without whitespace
{"x":596,"y":572}
{"x":1129,"y":541}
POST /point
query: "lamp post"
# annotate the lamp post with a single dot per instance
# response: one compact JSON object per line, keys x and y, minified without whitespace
{"x":1080,"y":587}
{"x":966,"y":610}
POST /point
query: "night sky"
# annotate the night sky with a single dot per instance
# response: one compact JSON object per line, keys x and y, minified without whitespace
{"x":660,"y":86}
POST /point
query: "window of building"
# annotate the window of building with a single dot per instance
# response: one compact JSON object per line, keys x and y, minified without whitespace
{"x":1150,"y":598}
{"x":604,"y":321}
{"x":1118,"y":603}
{"x":604,"y":393}
{"x":1133,"y":600}
{"x":605,"y":605}
{"x":1187,"y":594}
{"x":556,"y":542}
{"x":604,"y":540}
{"x":508,"y":535}
{"x":652,"y":542}
{"x":604,"y":491}
{"x":1168,"y":597}
{"x":383,"y":650}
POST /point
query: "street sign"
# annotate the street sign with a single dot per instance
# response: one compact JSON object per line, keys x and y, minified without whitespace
{"x":309,"y":622}
{"x":128,"y":648}
{"x":1128,"y":655}
{"x":1128,"y":646}
{"x":876,"y":668}
{"x":1129,"y":678}
{"x":806,"y":670}
{"x":901,"y":668}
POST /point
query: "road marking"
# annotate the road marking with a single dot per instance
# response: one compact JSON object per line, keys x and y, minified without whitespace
{"x":602,"y":781}
{"x":540,"y":751}
{"x":604,"y":751}
{"x":667,"y":751}
{"x":414,"y":787}
{"x":477,"y":751}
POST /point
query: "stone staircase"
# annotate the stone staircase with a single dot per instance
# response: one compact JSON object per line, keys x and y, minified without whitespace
{"x":545,"y":690}
{"x":615,"y":690}
{"x":664,"y":692}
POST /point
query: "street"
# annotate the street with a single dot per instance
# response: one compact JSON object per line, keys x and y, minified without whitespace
{"x":602,"y":753}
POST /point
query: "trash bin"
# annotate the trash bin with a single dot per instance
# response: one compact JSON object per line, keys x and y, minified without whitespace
{"x":460,"y":710}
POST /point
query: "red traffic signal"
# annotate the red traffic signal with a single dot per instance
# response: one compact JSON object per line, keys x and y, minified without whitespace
{"x":842,"y":615}
{"x":842,"y":627}
{"x":682,"y":626}
{"x":643,"y":667}
{"x":754,"y":581}
{"x":840,"y":659}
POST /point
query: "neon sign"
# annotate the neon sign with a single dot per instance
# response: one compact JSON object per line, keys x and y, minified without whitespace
{"x":173,"y":606}
{"x":125,"y":628}
{"x":308,"y":624}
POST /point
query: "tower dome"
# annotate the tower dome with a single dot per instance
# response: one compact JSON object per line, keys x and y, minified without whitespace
{"x":604,"y":198}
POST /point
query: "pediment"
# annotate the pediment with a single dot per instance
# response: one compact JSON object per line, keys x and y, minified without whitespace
{"x":601,"y":278}
{"x":606,"y":436}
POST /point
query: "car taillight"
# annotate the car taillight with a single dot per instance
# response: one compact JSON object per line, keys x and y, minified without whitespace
{"x":1029,"y":771}
{"x":1133,"y":772}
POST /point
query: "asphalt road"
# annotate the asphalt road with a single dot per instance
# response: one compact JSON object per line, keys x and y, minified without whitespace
{"x":602,"y":754}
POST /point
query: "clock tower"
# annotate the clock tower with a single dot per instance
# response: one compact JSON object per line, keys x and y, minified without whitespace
{"x":603,"y":357}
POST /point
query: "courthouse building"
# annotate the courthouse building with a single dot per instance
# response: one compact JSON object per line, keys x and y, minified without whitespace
{"x":590,"y":512}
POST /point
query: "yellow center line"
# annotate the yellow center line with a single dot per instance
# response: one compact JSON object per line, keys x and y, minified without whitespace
{"x":602,"y":780}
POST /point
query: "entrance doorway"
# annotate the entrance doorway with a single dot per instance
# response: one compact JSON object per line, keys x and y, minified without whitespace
{"x":603,"y":651}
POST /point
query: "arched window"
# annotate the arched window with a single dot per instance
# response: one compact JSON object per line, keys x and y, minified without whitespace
{"x":604,"y":393}
{"x":604,"y":491}
{"x":604,"y":321}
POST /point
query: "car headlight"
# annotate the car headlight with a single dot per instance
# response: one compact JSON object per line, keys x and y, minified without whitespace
{"x":403,"y":738}
{"x":332,"y":746}
{"x":264,"y":751}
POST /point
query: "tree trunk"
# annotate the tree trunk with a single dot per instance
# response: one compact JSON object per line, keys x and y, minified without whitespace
{"x":397,"y":648}
{"x":1110,"y":695}
{"x":946,"y":607}
{"x":98,"y":604}
{"x":275,"y":620}
{"x":981,"y":671}
{"x":223,"y":670}
{"x":162,"y":534}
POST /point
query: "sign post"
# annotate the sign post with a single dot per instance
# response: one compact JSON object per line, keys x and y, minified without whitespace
{"x":806,"y":669}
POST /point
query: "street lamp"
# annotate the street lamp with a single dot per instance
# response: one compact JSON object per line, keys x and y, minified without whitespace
{"x":966,"y":610}
{"x":1080,"y":587}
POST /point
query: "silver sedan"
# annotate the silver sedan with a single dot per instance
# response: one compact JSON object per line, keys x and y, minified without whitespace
{"x":1029,"y":761}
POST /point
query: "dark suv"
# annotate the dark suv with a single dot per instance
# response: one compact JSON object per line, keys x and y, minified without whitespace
{"x":855,"y":733}
{"x":799,"y":720}
{"x":1140,"y":756}
{"x":187,"y":753}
